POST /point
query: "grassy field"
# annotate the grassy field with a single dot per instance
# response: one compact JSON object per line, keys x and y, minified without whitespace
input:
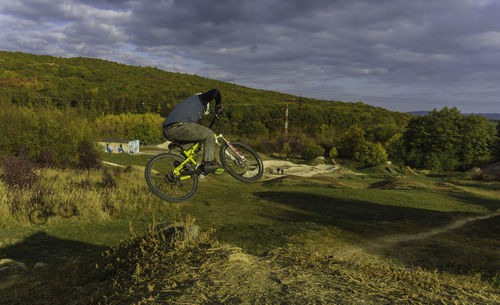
{"x":372,"y":218}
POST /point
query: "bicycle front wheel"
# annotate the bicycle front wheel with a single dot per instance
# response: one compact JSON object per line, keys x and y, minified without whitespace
{"x":162,"y":181}
{"x":241,"y":161}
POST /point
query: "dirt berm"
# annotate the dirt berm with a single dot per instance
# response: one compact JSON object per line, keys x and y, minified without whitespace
{"x":151,"y":270}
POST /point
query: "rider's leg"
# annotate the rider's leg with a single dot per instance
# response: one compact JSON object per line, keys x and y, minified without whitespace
{"x":194,"y":132}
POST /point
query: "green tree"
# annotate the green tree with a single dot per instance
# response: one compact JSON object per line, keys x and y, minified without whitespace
{"x":395,"y":148}
{"x":497,"y":145}
{"x":477,"y":140}
{"x":145,"y":133}
{"x":447,"y":140}
{"x":350,"y":141}
{"x":370,"y":153}
{"x":43,"y":133}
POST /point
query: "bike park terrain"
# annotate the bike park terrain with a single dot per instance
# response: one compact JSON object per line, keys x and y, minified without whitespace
{"x":318,"y":233}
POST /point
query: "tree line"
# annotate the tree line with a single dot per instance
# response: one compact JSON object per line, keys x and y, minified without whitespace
{"x":121,"y":101}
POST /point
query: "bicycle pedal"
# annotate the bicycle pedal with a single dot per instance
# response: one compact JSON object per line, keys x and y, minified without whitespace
{"x":219,"y":171}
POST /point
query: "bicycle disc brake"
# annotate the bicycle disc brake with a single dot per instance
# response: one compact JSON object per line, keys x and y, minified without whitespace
{"x":172,"y":178}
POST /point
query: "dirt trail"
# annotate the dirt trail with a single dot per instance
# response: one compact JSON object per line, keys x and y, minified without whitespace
{"x":395,"y":239}
{"x":113,"y":164}
{"x":389,"y":241}
{"x":301,"y":170}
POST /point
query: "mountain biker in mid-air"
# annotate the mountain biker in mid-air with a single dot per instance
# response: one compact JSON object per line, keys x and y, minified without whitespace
{"x":182,"y":125}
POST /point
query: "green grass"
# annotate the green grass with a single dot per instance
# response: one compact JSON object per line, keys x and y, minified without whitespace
{"x":262,"y":216}
{"x":270,"y":216}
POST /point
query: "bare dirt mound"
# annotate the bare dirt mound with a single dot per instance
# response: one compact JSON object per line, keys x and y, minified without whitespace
{"x":302,"y":170}
{"x":151,"y":270}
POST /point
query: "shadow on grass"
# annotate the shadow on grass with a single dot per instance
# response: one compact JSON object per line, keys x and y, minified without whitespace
{"x":487,"y":186}
{"x":41,"y":247}
{"x":365,"y":218}
{"x":472,"y":248}
{"x":468,"y":198}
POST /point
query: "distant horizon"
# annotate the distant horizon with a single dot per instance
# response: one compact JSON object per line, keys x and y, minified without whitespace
{"x":489,"y":115}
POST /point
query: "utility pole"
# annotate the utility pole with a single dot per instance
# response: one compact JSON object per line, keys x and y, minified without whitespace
{"x":286,"y":121}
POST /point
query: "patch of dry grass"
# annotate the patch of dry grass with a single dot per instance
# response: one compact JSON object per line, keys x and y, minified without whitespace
{"x":151,"y":270}
{"x":82,"y":195}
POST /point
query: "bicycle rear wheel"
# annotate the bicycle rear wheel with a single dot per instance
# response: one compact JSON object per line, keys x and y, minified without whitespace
{"x":165,"y":184}
{"x":241,"y":161}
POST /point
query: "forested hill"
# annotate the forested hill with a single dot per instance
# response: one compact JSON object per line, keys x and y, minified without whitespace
{"x":108,"y":87}
{"x":130,"y":102}
{"x":96,"y":88}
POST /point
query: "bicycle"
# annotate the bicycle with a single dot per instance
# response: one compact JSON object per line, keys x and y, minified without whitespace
{"x":174,"y":177}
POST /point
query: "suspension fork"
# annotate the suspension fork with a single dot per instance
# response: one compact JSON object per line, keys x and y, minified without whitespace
{"x":220,"y":136}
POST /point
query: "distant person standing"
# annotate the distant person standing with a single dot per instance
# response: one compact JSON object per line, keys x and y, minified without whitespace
{"x":182,"y":125}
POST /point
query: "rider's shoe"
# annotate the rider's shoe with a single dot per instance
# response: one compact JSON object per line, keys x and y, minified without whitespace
{"x":210,"y":166}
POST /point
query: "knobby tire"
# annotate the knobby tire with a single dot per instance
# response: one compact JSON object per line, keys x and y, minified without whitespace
{"x":163,"y":164}
{"x":248,"y":170}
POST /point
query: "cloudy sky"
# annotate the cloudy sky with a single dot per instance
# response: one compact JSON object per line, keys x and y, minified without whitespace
{"x":403,"y":55}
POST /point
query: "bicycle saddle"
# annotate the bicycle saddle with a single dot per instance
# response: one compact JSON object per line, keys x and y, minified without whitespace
{"x":179,"y":144}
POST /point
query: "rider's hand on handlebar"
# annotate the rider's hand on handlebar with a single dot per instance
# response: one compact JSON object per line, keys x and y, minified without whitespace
{"x":218,"y":108}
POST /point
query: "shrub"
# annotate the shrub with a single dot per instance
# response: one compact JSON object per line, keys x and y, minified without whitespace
{"x":145,"y":133}
{"x":312,"y":151}
{"x":108,"y":179}
{"x":333,"y":153}
{"x":19,"y":172}
{"x":47,"y":158}
{"x":287,"y":150}
{"x":89,"y":157}
{"x":143,"y":127}
{"x":44,"y":134}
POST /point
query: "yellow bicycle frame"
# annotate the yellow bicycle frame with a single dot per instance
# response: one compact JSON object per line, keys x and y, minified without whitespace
{"x":190,"y":153}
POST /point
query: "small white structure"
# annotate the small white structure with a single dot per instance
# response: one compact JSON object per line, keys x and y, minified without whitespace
{"x":119,"y":146}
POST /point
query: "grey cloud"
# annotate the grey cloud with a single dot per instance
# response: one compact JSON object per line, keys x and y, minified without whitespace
{"x":417,"y":45}
{"x":447,"y":49}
